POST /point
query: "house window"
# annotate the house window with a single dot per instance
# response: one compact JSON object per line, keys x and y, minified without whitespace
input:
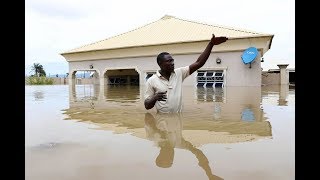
{"x":210,"y":78}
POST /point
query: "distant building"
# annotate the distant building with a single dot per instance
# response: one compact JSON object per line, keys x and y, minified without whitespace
{"x":281,"y":76}
{"x":130,"y":58}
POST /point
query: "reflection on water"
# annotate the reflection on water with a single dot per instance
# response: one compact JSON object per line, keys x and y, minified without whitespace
{"x":210,"y":94}
{"x":166,"y":131}
{"x":234,"y":113}
{"x":122,"y":93}
{"x":247,"y":115}
{"x":38,"y":95}
{"x":281,"y":93}
{"x":242,"y":133}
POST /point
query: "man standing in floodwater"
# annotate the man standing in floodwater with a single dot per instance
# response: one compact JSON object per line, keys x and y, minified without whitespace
{"x":164,"y":89}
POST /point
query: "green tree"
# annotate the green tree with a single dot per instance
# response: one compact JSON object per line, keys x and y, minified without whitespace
{"x":38,"y":70}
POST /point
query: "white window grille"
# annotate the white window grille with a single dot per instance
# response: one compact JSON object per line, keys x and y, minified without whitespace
{"x":210,"y":78}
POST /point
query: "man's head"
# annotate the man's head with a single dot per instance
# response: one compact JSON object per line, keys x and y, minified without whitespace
{"x":165,"y":61}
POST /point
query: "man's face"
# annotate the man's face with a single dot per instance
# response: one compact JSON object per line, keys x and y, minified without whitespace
{"x":167,"y":64}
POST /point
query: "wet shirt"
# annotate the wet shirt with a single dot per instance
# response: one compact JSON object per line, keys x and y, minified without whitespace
{"x":157,"y":83}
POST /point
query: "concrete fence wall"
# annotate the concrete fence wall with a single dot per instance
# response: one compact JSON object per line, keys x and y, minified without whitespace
{"x":270,"y":78}
{"x":58,"y":80}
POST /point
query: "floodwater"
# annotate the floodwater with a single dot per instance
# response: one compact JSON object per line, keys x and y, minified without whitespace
{"x":89,"y":132}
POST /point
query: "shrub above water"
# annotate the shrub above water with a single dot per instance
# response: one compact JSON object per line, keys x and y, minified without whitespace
{"x":42,"y":80}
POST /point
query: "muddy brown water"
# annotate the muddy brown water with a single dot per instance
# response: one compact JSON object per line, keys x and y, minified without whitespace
{"x":89,"y":132}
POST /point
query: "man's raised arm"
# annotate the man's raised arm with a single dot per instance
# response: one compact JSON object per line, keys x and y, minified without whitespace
{"x":202,"y":59}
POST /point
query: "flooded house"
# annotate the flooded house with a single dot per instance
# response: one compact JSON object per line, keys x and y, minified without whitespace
{"x":130,"y":58}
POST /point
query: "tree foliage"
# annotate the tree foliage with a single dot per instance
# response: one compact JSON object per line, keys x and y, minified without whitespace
{"x":38,"y":70}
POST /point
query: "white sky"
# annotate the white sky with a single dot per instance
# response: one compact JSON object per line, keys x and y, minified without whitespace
{"x":55,"y":26}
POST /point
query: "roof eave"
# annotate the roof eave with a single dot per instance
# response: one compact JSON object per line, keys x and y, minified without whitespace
{"x":124,"y":47}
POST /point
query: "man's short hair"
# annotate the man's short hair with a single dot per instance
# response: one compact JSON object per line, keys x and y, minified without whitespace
{"x":161,"y":57}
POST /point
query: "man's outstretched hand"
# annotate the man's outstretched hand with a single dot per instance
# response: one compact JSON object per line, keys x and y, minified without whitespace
{"x":218,"y":40}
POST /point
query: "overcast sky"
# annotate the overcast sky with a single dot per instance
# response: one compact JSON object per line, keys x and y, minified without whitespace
{"x":55,"y":26}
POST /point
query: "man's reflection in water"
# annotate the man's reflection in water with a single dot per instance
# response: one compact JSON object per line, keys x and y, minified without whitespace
{"x":166,"y":131}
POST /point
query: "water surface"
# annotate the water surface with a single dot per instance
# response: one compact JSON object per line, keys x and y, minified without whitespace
{"x":91,"y":132}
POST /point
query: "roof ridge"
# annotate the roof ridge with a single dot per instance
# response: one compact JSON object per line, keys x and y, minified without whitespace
{"x":219,"y":26}
{"x":167,"y":17}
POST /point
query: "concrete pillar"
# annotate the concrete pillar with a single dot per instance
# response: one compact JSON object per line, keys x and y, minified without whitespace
{"x":102,"y":80}
{"x":93,"y":79}
{"x":283,"y":94}
{"x":72,"y":93}
{"x":101,"y":97}
{"x":102,"y":86}
{"x":283,"y":74}
{"x":72,"y":78}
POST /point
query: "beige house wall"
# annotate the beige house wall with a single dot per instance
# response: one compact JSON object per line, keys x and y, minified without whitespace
{"x":236,"y":72}
{"x":143,"y":60}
